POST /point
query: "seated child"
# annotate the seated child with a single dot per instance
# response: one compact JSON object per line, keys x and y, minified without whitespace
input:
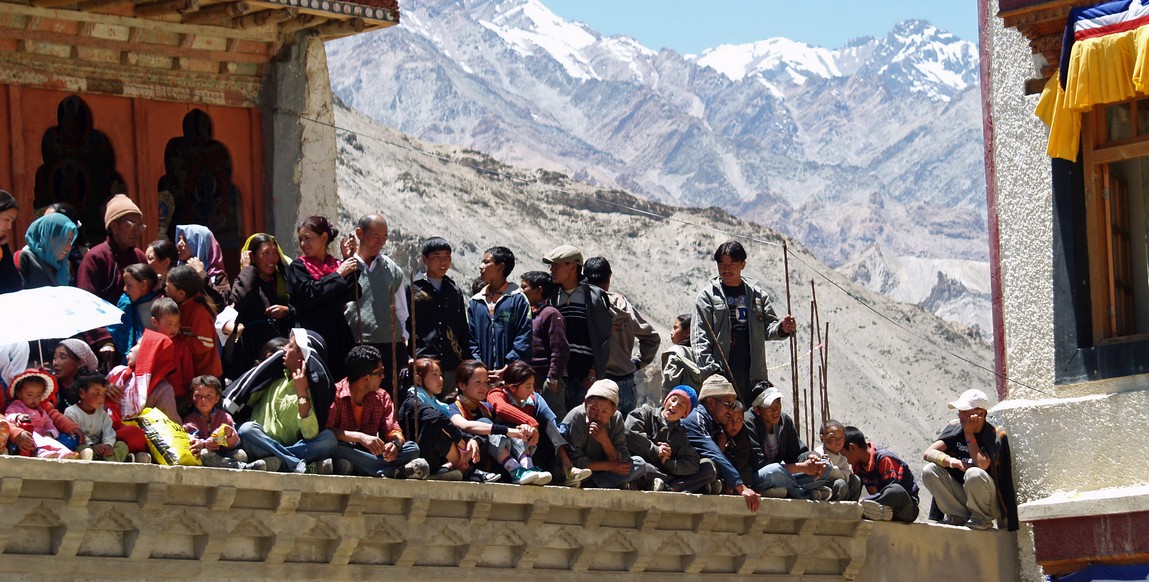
{"x":448,"y":451}
{"x":844,"y":483}
{"x":71,"y":359}
{"x":197,"y":321}
{"x":517,"y":403}
{"x":27,"y":392}
{"x":99,"y":437}
{"x":363,"y":420}
{"x":743,"y":452}
{"x":597,"y":435}
{"x":892,"y":491}
{"x":212,"y":430}
{"x":140,"y":282}
{"x":144,"y":381}
{"x":510,"y":446}
{"x":657,"y":435}
{"x":166,"y":319}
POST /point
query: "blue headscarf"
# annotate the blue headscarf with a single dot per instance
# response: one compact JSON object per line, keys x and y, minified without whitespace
{"x":202,"y":244}
{"x":46,"y":237}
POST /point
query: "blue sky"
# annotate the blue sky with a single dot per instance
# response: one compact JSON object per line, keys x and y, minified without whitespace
{"x":691,"y":27}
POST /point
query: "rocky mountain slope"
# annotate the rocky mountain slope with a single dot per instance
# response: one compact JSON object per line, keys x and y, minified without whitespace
{"x":877,"y":143}
{"x":892,"y":366}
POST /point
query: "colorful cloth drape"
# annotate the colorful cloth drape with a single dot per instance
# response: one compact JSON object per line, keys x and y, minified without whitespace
{"x":1104,"y":59}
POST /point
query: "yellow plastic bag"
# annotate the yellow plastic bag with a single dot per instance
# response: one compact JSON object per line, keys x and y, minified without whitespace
{"x":168,"y":442}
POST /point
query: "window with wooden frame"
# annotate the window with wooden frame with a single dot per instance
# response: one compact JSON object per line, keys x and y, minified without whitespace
{"x":1116,"y":162}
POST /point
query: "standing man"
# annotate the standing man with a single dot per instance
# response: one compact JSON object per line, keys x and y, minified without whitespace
{"x":378,"y":312}
{"x":499,"y":314}
{"x":586,"y":312}
{"x":733,"y":319}
{"x":627,"y":326}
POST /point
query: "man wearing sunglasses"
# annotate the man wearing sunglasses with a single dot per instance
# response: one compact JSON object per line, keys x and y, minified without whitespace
{"x":704,"y":426}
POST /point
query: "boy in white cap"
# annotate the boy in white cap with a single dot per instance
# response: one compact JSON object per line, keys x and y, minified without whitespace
{"x":597,"y":436}
{"x":969,"y":473}
{"x":789,"y":464}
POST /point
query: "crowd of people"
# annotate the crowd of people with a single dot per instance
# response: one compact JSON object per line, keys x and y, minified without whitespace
{"x":337,"y":362}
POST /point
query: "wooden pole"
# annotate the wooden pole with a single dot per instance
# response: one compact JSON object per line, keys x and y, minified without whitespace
{"x":394,"y":354}
{"x":826,"y":373}
{"x":414,"y":345}
{"x":812,"y":334}
{"x":793,"y":337}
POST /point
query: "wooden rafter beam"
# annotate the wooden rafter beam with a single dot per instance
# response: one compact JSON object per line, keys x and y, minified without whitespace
{"x":93,"y":5}
{"x":263,"y":18}
{"x":217,"y":12}
{"x":339,"y":28}
{"x":51,"y":3}
{"x":167,"y":8}
{"x":301,"y":22}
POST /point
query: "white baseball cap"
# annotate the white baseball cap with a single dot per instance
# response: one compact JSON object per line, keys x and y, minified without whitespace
{"x":971,"y":399}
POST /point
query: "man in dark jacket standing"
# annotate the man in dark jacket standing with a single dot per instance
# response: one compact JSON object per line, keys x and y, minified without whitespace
{"x":588,"y":318}
{"x":438,"y":312}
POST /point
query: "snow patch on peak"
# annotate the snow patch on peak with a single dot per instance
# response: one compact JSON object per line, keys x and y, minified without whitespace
{"x":737,"y":61}
{"x":530,"y":26}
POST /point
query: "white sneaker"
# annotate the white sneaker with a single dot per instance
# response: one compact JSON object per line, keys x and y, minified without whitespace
{"x":875,"y":511}
{"x":86,"y":454}
{"x":144,"y":458}
{"x":417,"y":469}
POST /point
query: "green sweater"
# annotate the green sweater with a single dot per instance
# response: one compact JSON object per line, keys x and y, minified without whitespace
{"x":378,"y":286}
{"x":278,"y":413}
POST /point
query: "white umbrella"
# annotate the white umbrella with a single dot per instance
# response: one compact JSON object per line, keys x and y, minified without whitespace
{"x":52,"y":312}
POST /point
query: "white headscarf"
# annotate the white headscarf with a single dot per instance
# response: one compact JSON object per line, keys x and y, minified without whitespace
{"x":13,"y":360}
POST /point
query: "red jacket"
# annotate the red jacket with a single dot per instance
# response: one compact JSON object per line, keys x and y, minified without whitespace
{"x":507,"y":413}
{"x":197,"y":323}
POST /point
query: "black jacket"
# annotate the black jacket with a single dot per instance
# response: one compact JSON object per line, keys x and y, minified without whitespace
{"x":439,"y":318}
{"x":791,"y":448}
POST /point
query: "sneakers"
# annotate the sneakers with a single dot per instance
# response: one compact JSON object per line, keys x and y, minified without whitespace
{"x":238,"y":456}
{"x":144,"y":458}
{"x":87,"y":454}
{"x":821,"y":494}
{"x":874,"y":511}
{"x":575,"y":476}
{"x":322,"y":467}
{"x":479,"y":476}
{"x":954,"y":520}
{"x":417,"y":469}
{"x":343,"y":467}
{"x":272,"y":464}
{"x":544,"y":477}
{"x":523,"y":476}
{"x":659,"y":485}
{"x":979,"y":524}
{"x":715,"y":487}
{"x":445,"y":474}
{"x":257,"y":465}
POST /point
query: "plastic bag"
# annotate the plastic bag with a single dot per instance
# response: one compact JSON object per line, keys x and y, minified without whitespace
{"x":168,"y":442}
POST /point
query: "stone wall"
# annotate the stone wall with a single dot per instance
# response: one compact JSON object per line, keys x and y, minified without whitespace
{"x":69,"y":519}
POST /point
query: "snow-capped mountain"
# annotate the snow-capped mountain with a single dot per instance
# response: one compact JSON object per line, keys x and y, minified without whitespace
{"x":875,"y":143}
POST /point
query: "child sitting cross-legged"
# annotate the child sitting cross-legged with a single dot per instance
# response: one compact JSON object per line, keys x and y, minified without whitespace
{"x":597,"y":435}
{"x":892,"y":491}
{"x":843,"y":482}
{"x":509,"y":446}
{"x":423,"y":417}
{"x":28,"y":391}
{"x":99,"y":437}
{"x":212,"y":430}
{"x":658,"y":436}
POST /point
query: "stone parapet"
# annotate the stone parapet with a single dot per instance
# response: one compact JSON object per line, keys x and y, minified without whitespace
{"x":74,"y":519}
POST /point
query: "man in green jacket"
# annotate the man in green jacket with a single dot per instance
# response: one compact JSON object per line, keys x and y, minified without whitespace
{"x":733,"y":319}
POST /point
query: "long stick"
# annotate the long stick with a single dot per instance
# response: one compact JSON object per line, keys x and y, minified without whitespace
{"x":826,"y":371}
{"x":394,"y":355}
{"x":816,"y":327}
{"x":718,"y":346}
{"x":793,"y":337}
{"x":414,"y":345}
{"x":812,"y":334}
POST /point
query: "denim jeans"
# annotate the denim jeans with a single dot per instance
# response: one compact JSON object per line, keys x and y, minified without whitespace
{"x":609,"y":480}
{"x":797,"y":486}
{"x":627,"y":393}
{"x":365,"y":462}
{"x":295,"y":457}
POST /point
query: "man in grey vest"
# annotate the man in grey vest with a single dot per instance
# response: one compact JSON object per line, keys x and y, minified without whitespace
{"x":378,"y":314}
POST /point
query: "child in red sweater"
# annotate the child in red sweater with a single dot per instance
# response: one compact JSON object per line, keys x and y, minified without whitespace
{"x":197,"y":321}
